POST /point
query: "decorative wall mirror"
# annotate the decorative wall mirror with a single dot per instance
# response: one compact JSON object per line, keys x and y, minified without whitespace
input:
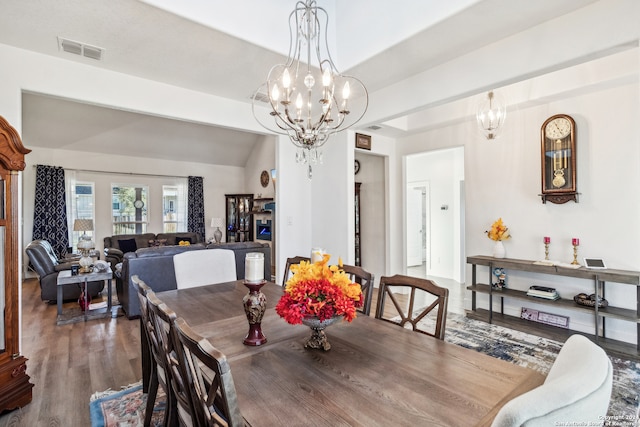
{"x":558,"y":163}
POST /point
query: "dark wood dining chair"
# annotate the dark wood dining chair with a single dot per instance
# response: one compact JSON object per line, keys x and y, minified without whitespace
{"x":287,"y":268}
{"x":159,"y":374}
{"x":365,"y":280}
{"x":421,"y":302}
{"x":209,"y":379}
{"x":180,"y":396}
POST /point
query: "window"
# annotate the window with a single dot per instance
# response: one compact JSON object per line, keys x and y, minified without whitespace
{"x":129,"y":209}
{"x":174,"y":205}
{"x":82,"y":203}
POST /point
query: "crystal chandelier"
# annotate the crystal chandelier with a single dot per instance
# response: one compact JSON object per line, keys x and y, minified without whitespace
{"x":491,"y":114}
{"x":309,"y":99}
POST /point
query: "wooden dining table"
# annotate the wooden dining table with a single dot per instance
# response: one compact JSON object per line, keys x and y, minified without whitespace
{"x":375,"y":374}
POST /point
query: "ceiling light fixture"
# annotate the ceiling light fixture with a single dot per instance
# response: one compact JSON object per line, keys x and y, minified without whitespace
{"x":309,"y":99}
{"x":491,"y":114}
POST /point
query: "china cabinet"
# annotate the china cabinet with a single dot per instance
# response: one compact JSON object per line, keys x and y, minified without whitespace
{"x":15,"y":388}
{"x":239,"y":218}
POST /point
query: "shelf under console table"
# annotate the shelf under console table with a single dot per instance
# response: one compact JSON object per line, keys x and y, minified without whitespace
{"x":598,"y":277}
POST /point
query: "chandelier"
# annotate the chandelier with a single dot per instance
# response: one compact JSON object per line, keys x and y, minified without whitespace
{"x":308,"y":99}
{"x":491,"y":114}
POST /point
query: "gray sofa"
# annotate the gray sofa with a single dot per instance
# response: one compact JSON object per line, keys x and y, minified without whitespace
{"x":45,"y":262}
{"x":155,"y":267}
{"x":116,"y":246}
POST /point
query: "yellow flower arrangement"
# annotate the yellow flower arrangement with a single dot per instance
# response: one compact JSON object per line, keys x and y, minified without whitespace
{"x":184,"y":243}
{"x":498,"y":231}
{"x":319,"y":290}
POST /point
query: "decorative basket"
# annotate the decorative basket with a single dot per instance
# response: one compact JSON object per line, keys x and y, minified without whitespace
{"x":590,"y":300}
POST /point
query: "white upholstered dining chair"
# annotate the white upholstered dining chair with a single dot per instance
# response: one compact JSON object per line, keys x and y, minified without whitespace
{"x":577,"y":389}
{"x":204,"y":267}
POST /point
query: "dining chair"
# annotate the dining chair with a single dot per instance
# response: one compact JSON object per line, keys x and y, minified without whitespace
{"x":181,"y":401}
{"x":578,"y":388}
{"x":420,"y":304}
{"x":159,"y":374}
{"x":204,"y":267}
{"x":287,"y":269}
{"x":209,"y":379}
{"x":365,"y":280}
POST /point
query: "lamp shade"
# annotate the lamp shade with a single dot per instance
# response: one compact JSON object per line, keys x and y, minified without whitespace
{"x":83,"y":225}
{"x":216,"y":222}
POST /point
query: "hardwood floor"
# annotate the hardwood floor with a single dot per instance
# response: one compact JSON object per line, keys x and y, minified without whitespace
{"x":68,"y":363}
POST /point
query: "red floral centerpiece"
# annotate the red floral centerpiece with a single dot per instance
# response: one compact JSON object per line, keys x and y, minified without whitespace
{"x":321,"y":293}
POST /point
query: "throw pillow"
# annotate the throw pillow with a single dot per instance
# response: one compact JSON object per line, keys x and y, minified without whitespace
{"x":128,"y":245}
{"x":183,"y":240}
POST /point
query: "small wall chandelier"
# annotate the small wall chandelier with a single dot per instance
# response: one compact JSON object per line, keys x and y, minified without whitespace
{"x":491,"y":114}
{"x":309,"y":99}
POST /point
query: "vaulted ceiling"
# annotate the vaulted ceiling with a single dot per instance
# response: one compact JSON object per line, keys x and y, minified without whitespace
{"x":226,"y":49}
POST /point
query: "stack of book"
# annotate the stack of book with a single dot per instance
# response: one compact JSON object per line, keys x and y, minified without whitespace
{"x":543,"y":292}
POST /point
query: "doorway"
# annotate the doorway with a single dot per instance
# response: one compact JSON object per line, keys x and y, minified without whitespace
{"x":434,"y":213}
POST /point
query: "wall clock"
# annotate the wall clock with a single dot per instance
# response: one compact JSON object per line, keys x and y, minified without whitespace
{"x":558,"y":161}
{"x":356,"y":167}
{"x":138,"y":204}
{"x":264,"y":178}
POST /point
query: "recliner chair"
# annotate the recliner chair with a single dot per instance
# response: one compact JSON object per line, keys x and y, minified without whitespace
{"x":46,"y":264}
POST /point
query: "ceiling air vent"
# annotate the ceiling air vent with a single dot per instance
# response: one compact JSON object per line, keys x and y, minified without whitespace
{"x":374,"y":127}
{"x":81,"y":49}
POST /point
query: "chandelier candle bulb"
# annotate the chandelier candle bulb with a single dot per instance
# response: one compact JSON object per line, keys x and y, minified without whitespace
{"x":254,"y":267}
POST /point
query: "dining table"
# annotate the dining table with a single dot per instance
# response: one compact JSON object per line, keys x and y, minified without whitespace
{"x":375,"y":374}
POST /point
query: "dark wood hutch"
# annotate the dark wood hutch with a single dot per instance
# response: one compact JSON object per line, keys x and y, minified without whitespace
{"x":15,"y":388}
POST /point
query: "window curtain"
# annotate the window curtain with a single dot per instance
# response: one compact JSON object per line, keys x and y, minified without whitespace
{"x":50,"y":209}
{"x":195,"y":207}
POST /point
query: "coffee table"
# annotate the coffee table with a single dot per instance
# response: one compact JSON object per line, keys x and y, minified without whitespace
{"x":66,"y":278}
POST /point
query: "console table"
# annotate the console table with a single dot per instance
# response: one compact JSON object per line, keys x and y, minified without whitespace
{"x":598,"y":277}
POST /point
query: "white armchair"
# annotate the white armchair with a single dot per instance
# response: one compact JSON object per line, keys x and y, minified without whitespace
{"x":577,"y":389}
{"x":204,"y":267}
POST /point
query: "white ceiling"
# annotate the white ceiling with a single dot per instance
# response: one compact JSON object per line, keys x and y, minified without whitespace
{"x":184,"y":49}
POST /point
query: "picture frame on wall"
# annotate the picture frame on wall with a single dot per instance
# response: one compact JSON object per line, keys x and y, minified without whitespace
{"x":363,"y":141}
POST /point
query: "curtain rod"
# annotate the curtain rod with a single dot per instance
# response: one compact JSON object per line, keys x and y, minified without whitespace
{"x":120,"y":173}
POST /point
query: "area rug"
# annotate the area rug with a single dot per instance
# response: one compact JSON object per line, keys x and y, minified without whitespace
{"x":126,"y":407}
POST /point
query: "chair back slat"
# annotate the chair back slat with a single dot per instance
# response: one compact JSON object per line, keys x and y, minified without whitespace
{"x":365,"y":280}
{"x":422,"y":293}
{"x":209,"y":379}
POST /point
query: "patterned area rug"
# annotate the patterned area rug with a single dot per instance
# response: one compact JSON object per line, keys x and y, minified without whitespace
{"x":126,"y":407}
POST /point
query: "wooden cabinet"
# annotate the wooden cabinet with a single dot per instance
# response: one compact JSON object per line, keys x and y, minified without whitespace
{"x":15,"y":388}
{"x":239,"y":222}
{"x":594,"y":282}
{"x":358,"y":257}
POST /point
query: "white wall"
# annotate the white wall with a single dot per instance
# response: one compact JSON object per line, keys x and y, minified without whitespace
{"x":502,"y":179}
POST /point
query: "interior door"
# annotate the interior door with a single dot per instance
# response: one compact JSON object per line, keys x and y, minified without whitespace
{"x":414,"y":226}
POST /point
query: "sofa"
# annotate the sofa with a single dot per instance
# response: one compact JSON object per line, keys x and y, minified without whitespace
{"x":47,"y":265}
{"x":154,"y":266}
{"x":116,"y":246}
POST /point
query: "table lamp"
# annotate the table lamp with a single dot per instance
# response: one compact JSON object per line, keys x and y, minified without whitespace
{"x":217,"y":234}
{"x":85,"y":244}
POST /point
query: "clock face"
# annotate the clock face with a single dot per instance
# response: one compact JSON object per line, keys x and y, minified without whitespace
{"x":558,"y":128}
{"x":138,"y":204}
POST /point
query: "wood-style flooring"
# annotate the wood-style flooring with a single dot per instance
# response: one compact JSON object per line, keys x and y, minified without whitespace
{"x":68,"y":363}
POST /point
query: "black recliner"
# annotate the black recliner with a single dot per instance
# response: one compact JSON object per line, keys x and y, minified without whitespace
{"x":45,"y":262}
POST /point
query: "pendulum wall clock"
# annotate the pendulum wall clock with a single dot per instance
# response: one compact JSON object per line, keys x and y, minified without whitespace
{"x":558,"y":162}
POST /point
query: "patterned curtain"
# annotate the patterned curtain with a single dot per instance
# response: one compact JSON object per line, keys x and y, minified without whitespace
{"x":50,"y":210}
{"x":195,"y":211}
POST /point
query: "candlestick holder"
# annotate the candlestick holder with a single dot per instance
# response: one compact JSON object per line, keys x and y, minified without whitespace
{"x":575,"y":255}
{"x":546,"y":251}
{"x":255,"y":304}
